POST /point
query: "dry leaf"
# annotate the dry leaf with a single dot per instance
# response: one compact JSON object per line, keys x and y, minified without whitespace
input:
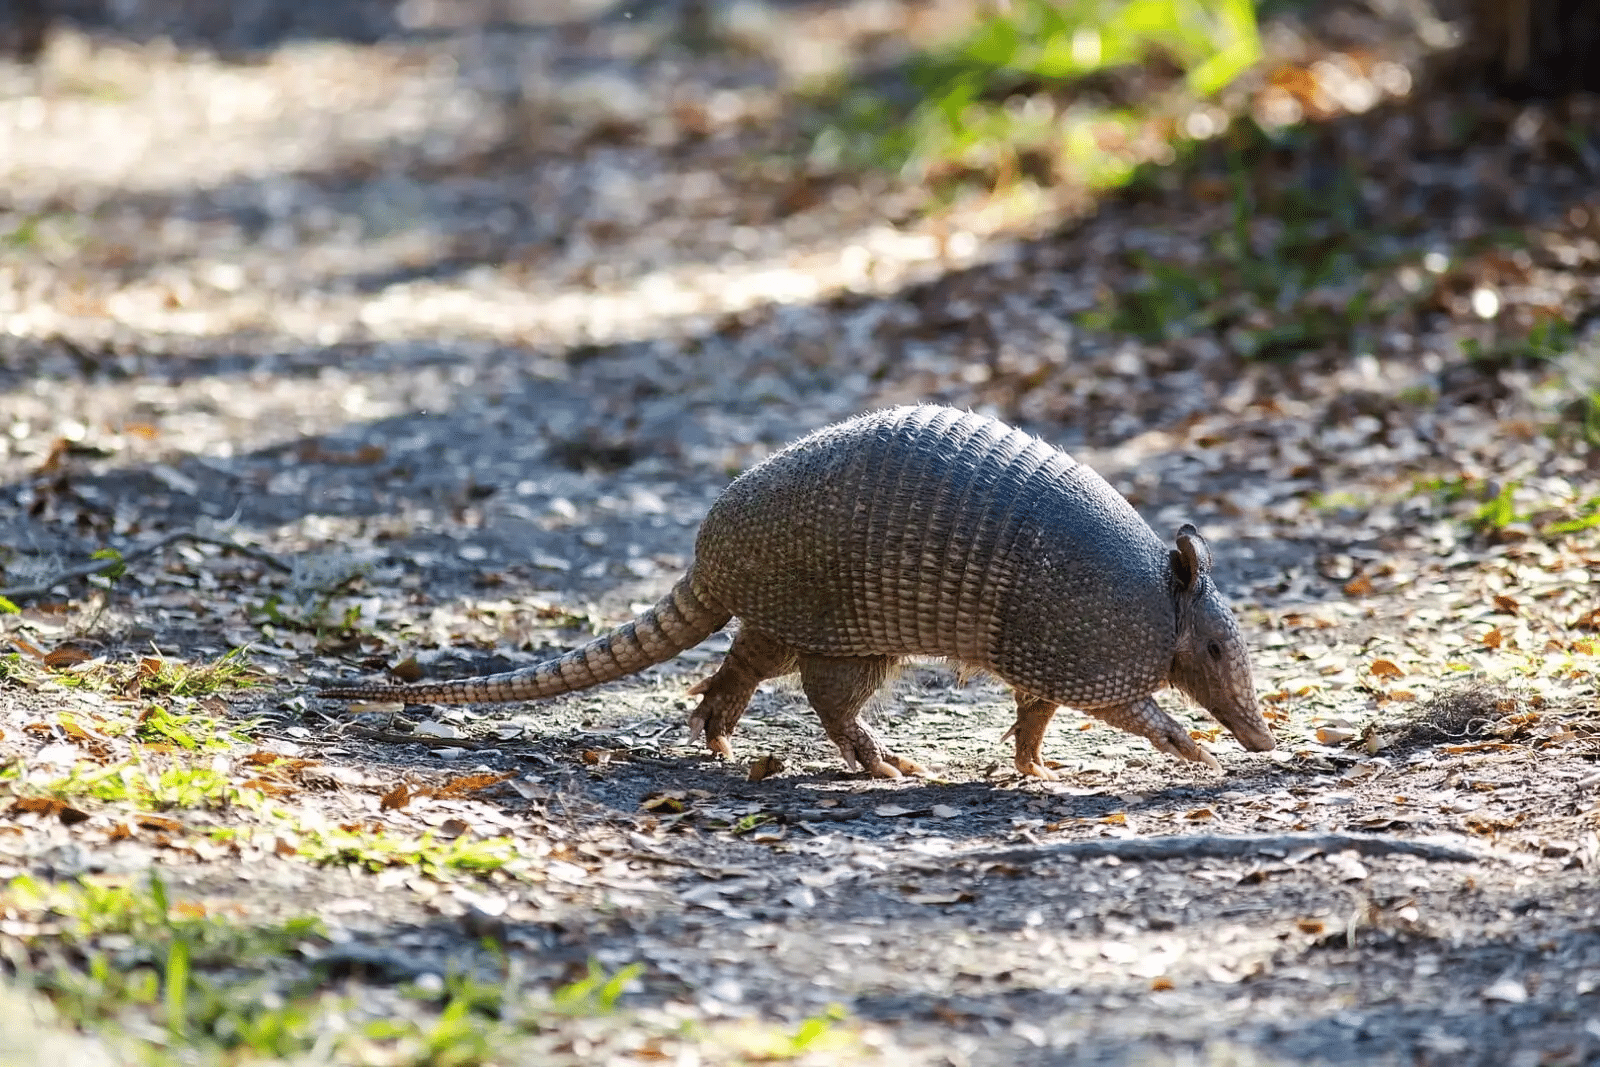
{"x":765,"y":767}
{"x":597,"y":757}
{"x":1360,"y":585}
{"x":1493,"y":639}
{"x":1383,"y":668}
{"x":1310,"y":926}
{"x":1334,"y":735}
{"x":66,"y":656}
{"x":665,"y":803}
{"x":466,"y":784}
{"x":945,"y":811}
{"x":267,"y":786}
{"x":1507,"y":604}
{"x":159,"y":823}
{"x":959,"y":896}
{"x":1160,"y":984}
{"x":1200,"y":815}
{"x":1507,"y":990}
{"x":407,"y":670}
{"x":47,"y":806}
{"x":396,"y":798}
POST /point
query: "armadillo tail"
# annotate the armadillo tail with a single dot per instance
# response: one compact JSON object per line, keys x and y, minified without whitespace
{"x":679,"y":621}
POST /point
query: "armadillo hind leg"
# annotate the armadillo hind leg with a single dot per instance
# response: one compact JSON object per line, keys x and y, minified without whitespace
{"x":839,"y":687}
{"x":753,"y":658}
{"x":1033,"y":715}
{"x":1145,"y":718}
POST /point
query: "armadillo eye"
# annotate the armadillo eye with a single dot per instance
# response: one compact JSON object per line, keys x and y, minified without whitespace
{"x":1214,"y":650}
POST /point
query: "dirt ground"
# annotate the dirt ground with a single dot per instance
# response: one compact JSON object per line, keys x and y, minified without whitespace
{"x":464,"y":321}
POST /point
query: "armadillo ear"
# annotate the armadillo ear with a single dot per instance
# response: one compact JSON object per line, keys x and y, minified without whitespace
{"x":1191,"y":561}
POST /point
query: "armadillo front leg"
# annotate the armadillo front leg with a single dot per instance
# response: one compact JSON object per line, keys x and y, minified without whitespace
{"x":753,"y":658}
{"x":839,"y":687}
{"x":1145,"y":718}
{"x":1033,"y":715}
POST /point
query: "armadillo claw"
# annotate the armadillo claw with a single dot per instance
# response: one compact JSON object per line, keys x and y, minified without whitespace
{"x":1179,"y":743}
{"x":905,"y":766}
{"x":1035,"y":769}
{"x":884,"y":770}
{"x":720,"y":746}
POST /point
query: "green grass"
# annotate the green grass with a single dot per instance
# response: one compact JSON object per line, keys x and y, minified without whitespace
{"x":167,"y":981}
{"x":1004,"y":101}
{"x":110,"y":953}
{"x":1488,"y":508}
{"x":376,"y":849}
{"x":153,"y":675}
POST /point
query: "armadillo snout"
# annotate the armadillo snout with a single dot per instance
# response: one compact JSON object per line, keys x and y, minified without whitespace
{"x":1213,"y":667}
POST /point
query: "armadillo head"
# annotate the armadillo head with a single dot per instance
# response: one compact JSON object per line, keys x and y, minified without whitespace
{"x":1211,"y":663}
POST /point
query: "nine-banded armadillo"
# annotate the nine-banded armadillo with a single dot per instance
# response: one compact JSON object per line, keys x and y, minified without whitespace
{"x":926,"y":531}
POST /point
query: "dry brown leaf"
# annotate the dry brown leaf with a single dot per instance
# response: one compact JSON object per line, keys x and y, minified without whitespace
{"x":597,"y":757}
{"x":407,"y":670}
{"x":1493,"y":639}
{"x":1383,"y":668}
{"x":396,"y":798}
{"x":451,"y":829}
{"x":1160,"y":984}
{"x":75,"y":732}
{"x":1334,"y":735}
{"x":267,"y":786}
{"x":1486,"y":825}
{"x":467,"y":784}
{"x":1507,"y":604}
{"x":66,"y":656}
{"x":161,"y":823}
{"x":1310,"y":926}
{"x":1116,"y":819}
{"x":1200,"y":815}
{"x":1360,"y":585}
{"x":666,"y":803}
{"x":765,"y":767}
{"x":48,"y":806}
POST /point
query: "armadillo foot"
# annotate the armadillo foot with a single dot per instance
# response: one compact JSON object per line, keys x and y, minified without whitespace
{"x":1145,"y":718}
{"x":1033,"y":715}
{"x":753,"y":659}
{"x":874,"y":758}
{"x":1036,"y":770}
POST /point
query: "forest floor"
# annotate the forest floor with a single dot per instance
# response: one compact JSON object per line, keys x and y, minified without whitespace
{"x":391,"y":341}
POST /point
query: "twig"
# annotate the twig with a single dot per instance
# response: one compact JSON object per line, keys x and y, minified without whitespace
{"x":709,"y":870}
{"x":390,"y":737}
{"x":1215,"y":846}
{"x":18,"y":592}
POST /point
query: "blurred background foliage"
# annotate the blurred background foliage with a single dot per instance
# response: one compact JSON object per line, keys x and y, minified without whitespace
{"x":1017,"y":95}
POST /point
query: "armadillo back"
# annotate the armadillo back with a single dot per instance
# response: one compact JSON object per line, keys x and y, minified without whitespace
{"x":916,"y":531}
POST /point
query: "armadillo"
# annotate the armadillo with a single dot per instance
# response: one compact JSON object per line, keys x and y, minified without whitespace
{"x":932,"y":532}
